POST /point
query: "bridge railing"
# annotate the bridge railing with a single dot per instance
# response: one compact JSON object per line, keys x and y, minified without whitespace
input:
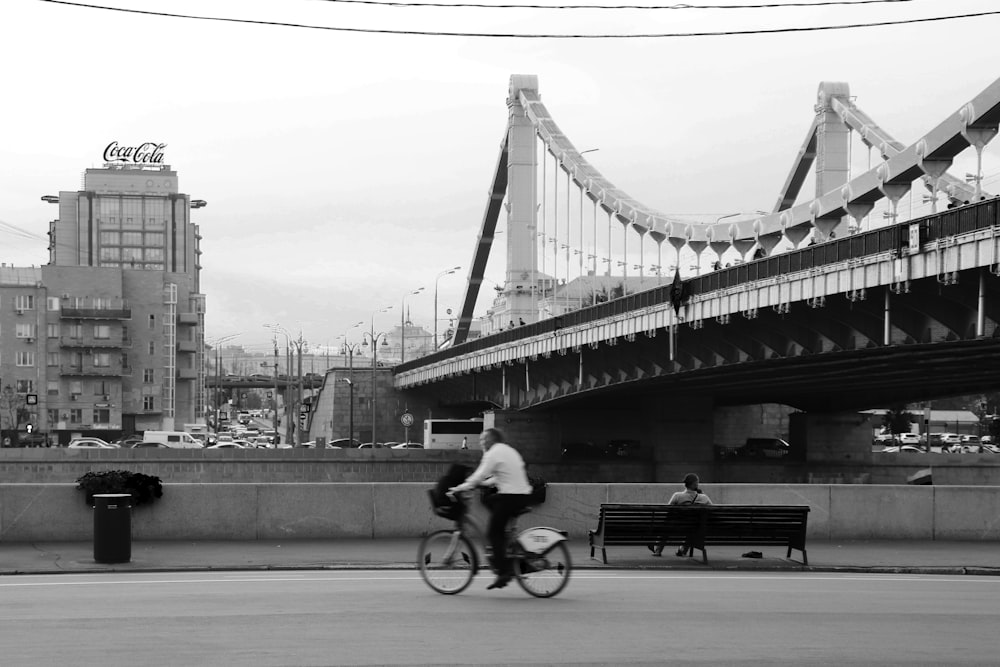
{"x":982,"y":215}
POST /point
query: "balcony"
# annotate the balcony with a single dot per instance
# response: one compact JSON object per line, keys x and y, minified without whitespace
{"x":187,"y":346}
{"x":93,"y":343}
{"x":99,"y":309}
{"x":190,"y":319}
{"x":89,"y":370}
{"x":187,"y":373}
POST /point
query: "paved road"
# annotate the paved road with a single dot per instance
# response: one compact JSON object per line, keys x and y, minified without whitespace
{"x":603,"y":617}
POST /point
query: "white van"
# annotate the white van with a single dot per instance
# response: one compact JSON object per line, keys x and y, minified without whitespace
{"x":174,"y":439}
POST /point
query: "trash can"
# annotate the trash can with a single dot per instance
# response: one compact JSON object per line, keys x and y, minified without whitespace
{"x":112,"y":527}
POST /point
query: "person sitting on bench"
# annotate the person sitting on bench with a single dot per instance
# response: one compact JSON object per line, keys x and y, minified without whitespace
{"x":691,"y":495}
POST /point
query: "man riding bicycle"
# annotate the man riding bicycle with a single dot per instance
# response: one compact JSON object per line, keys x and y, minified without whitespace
{"x":502,"y":467}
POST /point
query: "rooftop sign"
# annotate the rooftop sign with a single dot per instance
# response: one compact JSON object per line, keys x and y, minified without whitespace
{"x":147,"y":153}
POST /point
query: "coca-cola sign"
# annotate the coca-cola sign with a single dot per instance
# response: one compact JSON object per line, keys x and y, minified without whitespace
{"x":147,"y":153}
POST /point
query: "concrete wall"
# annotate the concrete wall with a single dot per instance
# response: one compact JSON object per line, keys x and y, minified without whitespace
{"x":53,"y":512}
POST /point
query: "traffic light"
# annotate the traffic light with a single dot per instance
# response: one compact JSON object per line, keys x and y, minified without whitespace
{"x":31,"y":399}
{"x":29,"y":427}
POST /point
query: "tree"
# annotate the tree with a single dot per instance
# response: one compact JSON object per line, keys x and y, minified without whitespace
{"x":897,"y":420}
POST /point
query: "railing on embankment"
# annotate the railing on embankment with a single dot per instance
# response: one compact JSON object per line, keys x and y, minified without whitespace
{"x":57,"y":512}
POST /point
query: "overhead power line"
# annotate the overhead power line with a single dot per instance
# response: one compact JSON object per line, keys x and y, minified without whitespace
{"x":477,"y":5}
{"x":493,"y":35}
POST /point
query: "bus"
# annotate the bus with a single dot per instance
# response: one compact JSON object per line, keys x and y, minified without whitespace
{"x":449,"y":433}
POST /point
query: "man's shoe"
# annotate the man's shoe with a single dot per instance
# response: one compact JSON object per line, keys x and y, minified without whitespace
{"x":501,"y":581}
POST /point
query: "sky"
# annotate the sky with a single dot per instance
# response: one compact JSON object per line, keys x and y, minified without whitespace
{"x":345,"y":170}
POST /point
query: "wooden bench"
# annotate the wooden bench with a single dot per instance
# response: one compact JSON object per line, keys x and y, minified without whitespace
{"x":700,"y":526}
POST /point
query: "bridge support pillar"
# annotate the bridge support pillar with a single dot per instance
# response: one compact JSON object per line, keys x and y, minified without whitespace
{"x":680,"y":432}
{"x":835,"y":437}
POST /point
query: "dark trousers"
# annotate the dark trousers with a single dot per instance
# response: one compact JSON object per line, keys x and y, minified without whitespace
{"x":503,"y":507}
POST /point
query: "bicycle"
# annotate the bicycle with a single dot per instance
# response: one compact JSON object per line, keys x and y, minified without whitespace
{"x":448,"y":559}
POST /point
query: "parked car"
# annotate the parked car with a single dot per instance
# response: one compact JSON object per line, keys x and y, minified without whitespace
{"x":904,"y":449}
{"x":764,"y":448}
{"x":90,"y":443}
{"x":950,"y":439}
{"x":909,"y":439}
{"x":148,"y":445}
{"x":370,"y":445}
{"x":408,"y":445}
{"x":226,"y":445}
{"x":344,"y":443}
{"x":128,"y":441}
{"x":884,"y":438}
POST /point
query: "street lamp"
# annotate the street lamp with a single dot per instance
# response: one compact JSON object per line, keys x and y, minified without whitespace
{"x":217,"y":344}
{"x":374,"y":338}
{"x":402,"y":324}
{"x":446,"y":272}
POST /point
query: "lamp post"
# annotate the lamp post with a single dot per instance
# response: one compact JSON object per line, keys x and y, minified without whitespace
{"x":218,"y":370}
{"x":446,"y":272}
{"x":350,"y":349}
{"x":374,"y":338}
{"x":402,"y":324}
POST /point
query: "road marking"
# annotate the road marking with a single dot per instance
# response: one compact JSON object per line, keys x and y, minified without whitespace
{"x":64,"y":580}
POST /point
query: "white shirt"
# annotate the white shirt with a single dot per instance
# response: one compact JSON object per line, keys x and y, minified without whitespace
{"x":689,"y":497}
{"x":504,"y":464}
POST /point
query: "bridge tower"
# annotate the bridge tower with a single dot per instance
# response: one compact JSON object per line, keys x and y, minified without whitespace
{"x":520,"y":293}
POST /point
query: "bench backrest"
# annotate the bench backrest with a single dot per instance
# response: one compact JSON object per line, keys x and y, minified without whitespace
{"x":640,"y":519}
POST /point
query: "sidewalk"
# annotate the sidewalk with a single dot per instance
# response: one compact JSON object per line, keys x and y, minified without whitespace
{"x":882,"y":556}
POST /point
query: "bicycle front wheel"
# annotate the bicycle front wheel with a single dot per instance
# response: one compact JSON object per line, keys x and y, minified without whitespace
{"x":544,"y":576}
{"x":447,"y":561}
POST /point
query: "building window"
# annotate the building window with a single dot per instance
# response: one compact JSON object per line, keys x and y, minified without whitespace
{"x":24,"y":302}
{"x":147,"y":403}
{"x":147,"y":376}
{"x":76,"y":359}
{"x":111,"y":238}
{"x":152,"y":321}
{"x":52,"y":330}
{"x":154,"y":254}
{"x":25,"y":386}
{"x":24,"y":331}
{"x":111,"y":254}
{"x":24,"y":359}
{"x":101,"y":388}
{"x":125,"y":369}
{"x":154,"y":239}
{"x":102,"y":416}
{"x":53,"y":415}
{"x":132,"y":238}
{"x":76,"y":416}
{"x":102,"y":360}
{"x":53,"y":302}
{"x":102,"y":331}
{"x":102,"y":303}
{"x":131,"y":254}
{"x":152,"y":347}
{"x":53,"y":387}
{"x":153,"y":267}
{"x":74,"y":331}
{"x":52,"y":359}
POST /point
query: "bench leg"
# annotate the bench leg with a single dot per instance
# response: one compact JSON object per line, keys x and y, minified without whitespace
{"x":789,"y":554}
{"x":805,"y":558}
{"x":604,"y":554}
{"x":591,"y":551}
{"x":704,"y":556}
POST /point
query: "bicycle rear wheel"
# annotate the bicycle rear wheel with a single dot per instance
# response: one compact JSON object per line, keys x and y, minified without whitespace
{"x":447,"y":561}
{"x":544,"y":576}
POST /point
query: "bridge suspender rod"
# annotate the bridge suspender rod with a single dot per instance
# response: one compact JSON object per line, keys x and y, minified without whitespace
{"x":594,"y":280}
{"x":579,"y":375}
{"x":887,"y":323}
{"x":545,"y":169}
{"x":569,"y":188}
{"x":579,"y":251}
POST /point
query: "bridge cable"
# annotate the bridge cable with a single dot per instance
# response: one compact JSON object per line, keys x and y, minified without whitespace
{"x":494,"y":35}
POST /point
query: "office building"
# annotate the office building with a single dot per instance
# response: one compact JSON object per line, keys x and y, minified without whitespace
{"x":109,"y":336}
